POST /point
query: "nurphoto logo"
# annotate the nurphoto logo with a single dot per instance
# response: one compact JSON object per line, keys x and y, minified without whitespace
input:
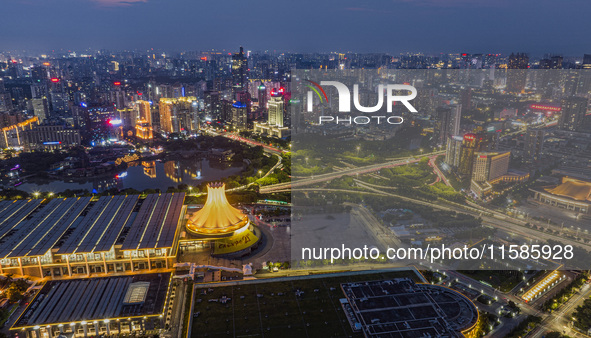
{"x":392,"y":94}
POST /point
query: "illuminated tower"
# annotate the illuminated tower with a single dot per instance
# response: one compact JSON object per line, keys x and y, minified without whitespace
{"x":467,"y":156}
{"x":144,"y":111}
{"x":239,"y":115}
{"x":262,"y":95}
{"x":239,"y":70}
{"x":143,"y":126}
{"x":166,"y":115}
{"x":276,"y":108}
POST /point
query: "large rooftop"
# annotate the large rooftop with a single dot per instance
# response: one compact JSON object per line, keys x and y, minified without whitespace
{"x":401,"y":308}
{"x":573,"y":188}
{"x":77,"y":300}
{"x":78,"y":225}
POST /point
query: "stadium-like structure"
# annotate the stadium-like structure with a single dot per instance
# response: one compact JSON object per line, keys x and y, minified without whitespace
{"x":227,"y":227}
{"x":572,"y":194}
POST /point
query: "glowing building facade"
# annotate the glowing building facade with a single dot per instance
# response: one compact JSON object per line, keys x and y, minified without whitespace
{"x":228,"y":228}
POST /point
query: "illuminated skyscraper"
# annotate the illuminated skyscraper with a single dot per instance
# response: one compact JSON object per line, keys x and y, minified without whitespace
{"x":144,"y":112}
{"x":239,"y":115}
{"x":467,"y":157}
{"x":239,"y":71}
{"x":262,"y":96}
{"x":276,"y":108}
{"x":489,"y":166}
{"x":166,"y":115}
{"x":143,"y":125}
{"x":574,"y":110}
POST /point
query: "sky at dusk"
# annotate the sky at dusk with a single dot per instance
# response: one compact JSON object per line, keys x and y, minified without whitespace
{"x":394,"y":26}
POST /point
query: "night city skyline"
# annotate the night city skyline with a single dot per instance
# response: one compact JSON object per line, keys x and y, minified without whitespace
{"x":295,"y":169}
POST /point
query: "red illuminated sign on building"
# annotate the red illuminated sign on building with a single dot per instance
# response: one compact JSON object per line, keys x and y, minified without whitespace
{"x":469,"y":137}
{"x":538,"y":106}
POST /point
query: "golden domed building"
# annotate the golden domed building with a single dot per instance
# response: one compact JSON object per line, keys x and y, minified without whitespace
{"x":227,"y":229}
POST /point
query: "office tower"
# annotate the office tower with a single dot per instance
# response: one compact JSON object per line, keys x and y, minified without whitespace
{"x":239,"y":71}
{"x":166,"y":115}
{"x":262,"y":95}
{"x":534,"y":145}
{"x":453,"y":151}
{"x":467,"y":156}
{"x":276,"y":108}
{"x":177,"y":115}
{"x":574,"y":110}
{"x":516,"y":72}
{"x":144,"y":111}
{"x":239,"y":115}
{"x":449,"y":122}
{"x":40,"y":108}
{"x":213,"y":105}
{"x":118,"y":98}
{"x":488,"y":166}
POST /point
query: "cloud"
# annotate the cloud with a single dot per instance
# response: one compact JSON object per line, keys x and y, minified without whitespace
{"x":118,"y":3}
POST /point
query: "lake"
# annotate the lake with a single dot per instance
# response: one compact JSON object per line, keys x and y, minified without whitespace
{"x":142,"y":175}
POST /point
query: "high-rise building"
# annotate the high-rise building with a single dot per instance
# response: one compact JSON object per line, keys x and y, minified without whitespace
{"x":516,"y":72}
{"x":239,"y":115}
{"x":469,"y":144}
{"x":5,"y":99}
{"x":490,"y":165}
{"x":239,"y":71}
{"x":40,"y":108}
{"x":449,"y":122}
{"x":144,"y":111}
{"x":534,"y":145}
{"x":276,"y":109}
{"x":179,"y":114}
{"x":466,"y":100}
{"x":453,"y":151}
{"x":166,"y":115}
{"x":574,"y":110}
{"x":262,"y":96}
{"x":213,"y":105}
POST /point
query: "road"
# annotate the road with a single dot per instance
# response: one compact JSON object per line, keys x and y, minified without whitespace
{"x":559,"y":320}
{"x":345,"y":172}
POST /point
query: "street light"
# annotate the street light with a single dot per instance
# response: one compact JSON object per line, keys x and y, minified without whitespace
{"x":260,"y":172}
